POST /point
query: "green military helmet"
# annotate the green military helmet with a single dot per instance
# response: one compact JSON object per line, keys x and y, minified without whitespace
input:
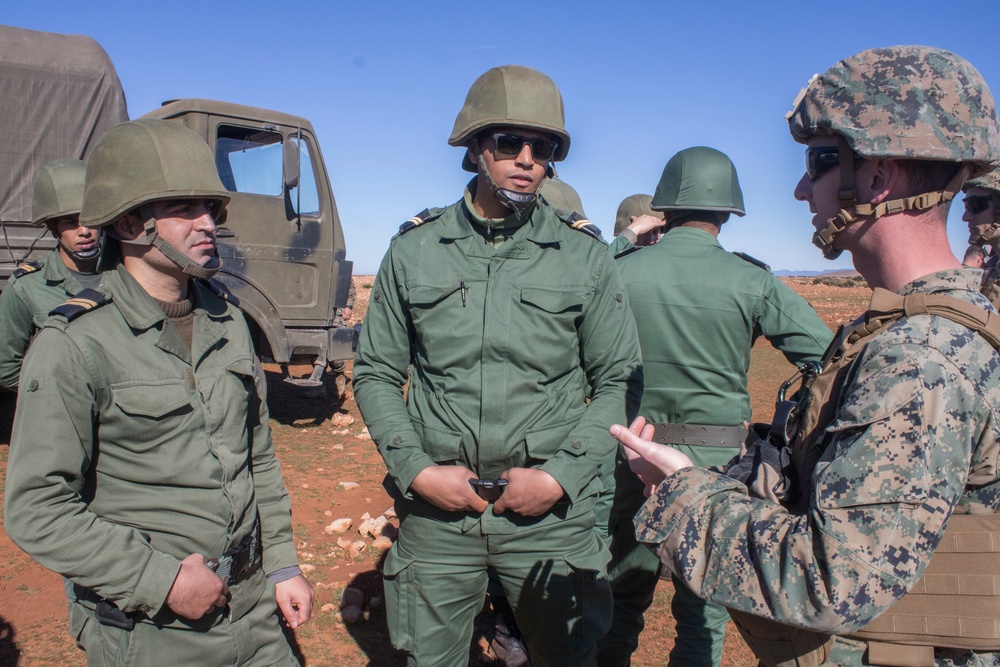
{"x":903,"y":102}
{"x":561,"y":195}
{"x":699,"y":179}
{"x":58,"y":190}
{"x":633,"y":206}
{"x":145,"y":161}
{"x":511,"y":96}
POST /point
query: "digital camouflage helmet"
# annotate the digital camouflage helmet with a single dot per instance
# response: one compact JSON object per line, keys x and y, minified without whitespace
{"x":899,"y":103}
{"x":991,"y":182}
{"x":699,"y":179}
{"x":510,"y":96}
{"x":633,"y":206}
{"x":58,"y":193}
{"x":138,"y":163}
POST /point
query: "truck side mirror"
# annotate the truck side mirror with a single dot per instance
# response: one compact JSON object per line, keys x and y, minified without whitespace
{"x":290,"y":157}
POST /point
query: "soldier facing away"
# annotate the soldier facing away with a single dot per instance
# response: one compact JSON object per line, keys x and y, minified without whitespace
{"x":501,"y":313}
{"x":892,"y":450}
{"x":141,"y":466}
{"x":698,"y":310}
{"x":37,"y":287}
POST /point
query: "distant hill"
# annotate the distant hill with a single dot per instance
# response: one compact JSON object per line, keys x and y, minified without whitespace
{"x":836,"y":273}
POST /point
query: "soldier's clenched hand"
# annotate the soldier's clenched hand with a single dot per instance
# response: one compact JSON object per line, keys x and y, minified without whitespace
{"x":196,"y":590}
{"x":448,"y":487}
{"x":530,"y":492}
{"x":295,"y":599}
{"x":650,"y":461}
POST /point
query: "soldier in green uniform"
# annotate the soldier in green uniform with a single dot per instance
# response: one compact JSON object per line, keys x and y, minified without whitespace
{"x":500,"y":313}
{"x":636,"y":224}
{"x":699,"y":310}
{"x":982,"y":214}
{"x":141,"y":466}
{"x":884,"y":531}
{"x":37,"y":287}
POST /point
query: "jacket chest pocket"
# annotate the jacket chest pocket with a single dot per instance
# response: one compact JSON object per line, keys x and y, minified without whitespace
{"x":549,"y":320}
{"x":442,"y":314}
{"x":150,"y":414}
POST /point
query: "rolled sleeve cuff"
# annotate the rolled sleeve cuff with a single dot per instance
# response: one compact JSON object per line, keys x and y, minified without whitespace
{"x":675,"y":497}
{"x":565,"y":469}
{"x":154,"y":585}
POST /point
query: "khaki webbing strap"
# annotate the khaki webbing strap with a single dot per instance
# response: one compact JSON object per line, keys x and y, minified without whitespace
{"x":886,"y":305}
{"x":699,"y":435}
{"x":956,"y":603}
{"x":900,"y":655}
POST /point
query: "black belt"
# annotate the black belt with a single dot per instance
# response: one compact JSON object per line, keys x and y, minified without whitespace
{"x":240,"y":560}
{"x":699,"y":435}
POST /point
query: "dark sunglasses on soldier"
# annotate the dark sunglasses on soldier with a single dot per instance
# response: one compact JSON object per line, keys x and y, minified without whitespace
{"x":510,"y":145}
{"x":819,"y":159}
{"x":974,"y":205}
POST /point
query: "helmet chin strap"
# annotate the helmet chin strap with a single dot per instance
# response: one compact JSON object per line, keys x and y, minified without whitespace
{"x":186,"y":264}
{"x":851,"y":211}
{"x":519,"y":202}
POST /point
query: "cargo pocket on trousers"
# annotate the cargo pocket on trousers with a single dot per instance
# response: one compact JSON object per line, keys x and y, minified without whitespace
{"x":400,"y":598}
{"x":589,"y":599}
{"x":108,"y":646}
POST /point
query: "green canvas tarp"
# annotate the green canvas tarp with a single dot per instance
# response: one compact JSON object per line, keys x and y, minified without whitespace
{"x":58,"y":95}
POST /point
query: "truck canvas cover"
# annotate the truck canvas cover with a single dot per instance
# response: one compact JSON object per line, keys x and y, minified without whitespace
{"x":58,"y":95}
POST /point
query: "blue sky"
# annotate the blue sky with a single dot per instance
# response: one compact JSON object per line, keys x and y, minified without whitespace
{"x":382,"y":83}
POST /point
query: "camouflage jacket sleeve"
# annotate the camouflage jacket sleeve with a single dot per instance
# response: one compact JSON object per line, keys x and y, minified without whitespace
{"x":896,"y":462}
{"x":381,"y":369}
{"x":16,"y":328}
{"x":790,"y":323}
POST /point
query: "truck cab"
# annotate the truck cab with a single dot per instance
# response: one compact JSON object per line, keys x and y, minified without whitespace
{"x":282,"y":245}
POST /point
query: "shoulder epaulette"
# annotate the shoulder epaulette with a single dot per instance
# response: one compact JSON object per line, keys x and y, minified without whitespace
{"x":628,"y":251}
{"x":425,"y":215}
{"x":753,"y":260}
{"x":581,"y":224}
{"x":26,"y":267}
{"x":221,"y":291}
{"x":85,"y":301}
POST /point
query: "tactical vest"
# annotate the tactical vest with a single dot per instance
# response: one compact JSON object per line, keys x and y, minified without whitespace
{"x":956,"y":603}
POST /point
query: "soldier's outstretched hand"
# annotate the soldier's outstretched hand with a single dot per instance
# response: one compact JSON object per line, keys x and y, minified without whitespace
{"x":196,"y":590}
{"x":530,"y":492}
{"x":295,"y":599}
{"x":650,"y":461}
{"x":448,"y":487}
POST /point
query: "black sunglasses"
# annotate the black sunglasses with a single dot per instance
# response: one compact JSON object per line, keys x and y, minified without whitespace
{"x":510,"y":145}
{"x":820,"y":159}
{"x":974,"y":205}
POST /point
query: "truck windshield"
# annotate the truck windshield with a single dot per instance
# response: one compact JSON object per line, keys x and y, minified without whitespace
{"x":249,"y":160}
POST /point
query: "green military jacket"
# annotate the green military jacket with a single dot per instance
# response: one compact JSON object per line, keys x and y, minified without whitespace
{"x":699,"y":310}
{"x":132,"y":450}
{"x":499,"y":345}
{"x":619,"y":244}
{"x":914,"y":439}
{"x":24,"y":306}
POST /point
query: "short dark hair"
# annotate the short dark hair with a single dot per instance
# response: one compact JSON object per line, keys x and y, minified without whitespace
{"x":927,"y":175}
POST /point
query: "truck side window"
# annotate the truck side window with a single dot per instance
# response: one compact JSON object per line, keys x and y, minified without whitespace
{"x":309,"y":202}
{"x":249,"y":160}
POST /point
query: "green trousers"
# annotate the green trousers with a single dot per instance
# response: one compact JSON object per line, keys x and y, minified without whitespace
{"x":255,"y":640}
{"x":553,"y":575}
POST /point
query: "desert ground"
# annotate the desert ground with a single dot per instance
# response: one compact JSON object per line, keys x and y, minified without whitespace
{"x":333,"y":472}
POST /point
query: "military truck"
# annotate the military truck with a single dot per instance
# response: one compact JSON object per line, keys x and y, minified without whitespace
{"x":282,"y":247}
